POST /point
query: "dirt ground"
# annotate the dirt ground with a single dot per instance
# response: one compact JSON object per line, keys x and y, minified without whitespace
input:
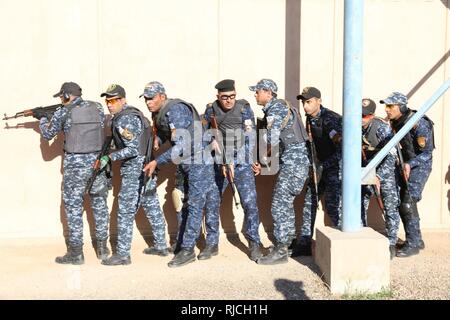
{"x":28,"y":271}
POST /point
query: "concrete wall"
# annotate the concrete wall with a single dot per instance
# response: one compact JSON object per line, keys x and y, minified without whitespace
{"x":189,"y":46}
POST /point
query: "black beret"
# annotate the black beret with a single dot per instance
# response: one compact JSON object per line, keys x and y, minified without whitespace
{"x":225,"y":85}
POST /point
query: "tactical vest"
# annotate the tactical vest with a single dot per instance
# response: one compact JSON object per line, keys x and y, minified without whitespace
{"x":231,"y":120}
{"x":160,"y":122}
{"x":294,"y":133}
{"x":144,"y":138}
{"x":370,"y":139}
{"x":324,"y":145}
{"x":86,"y":133}
{"x":409,"y":146}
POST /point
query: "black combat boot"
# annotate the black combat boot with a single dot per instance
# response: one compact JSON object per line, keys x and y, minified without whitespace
{"x":117,"y":260}
{"x":278,"y":254}
{"x":407,"y":250}
{"x":255,"y":250}
{"x":102,"y":250}
{"x":208,"y":252}
{"x":421,"y":244}
{"x":392,"y":251}
{"x":74,"y":256}
{"x":302,"y":248}
{"x":157,"y":252}
{"x":182,"y":258}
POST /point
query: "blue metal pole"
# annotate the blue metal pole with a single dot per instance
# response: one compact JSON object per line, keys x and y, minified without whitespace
{"x":352,"y":92}
{"x":404,"y":130}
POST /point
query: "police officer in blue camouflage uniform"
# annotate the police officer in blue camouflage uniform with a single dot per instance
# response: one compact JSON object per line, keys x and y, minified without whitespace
{"x":416,"y":150}
{"x":286,"y":131}
{"x":325,"y":129}
{"x":82,"y":122}
{"x":178,"y":121}
{"x":131,"y":134}
{"x":236,"y":126}
{"x":376,"y":133}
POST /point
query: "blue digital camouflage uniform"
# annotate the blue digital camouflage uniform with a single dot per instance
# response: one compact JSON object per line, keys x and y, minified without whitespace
{"x":130,"y":127}
{"x":416,"y":148}
{"x":420,"y":160}
{"x":421,"y":164}
{"x":294,"y":167}
{"x":386,"y":173}
{"x":330,"y":124}
{"x":78,"y":168}
{"x":244,"y":177}
{"x":198,"y":176}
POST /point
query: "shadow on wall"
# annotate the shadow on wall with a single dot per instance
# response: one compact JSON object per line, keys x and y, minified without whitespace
{"x":291,"y":290}
{"x":446,"y":3}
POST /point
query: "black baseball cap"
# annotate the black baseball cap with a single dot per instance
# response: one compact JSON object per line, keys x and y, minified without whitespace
{"x":368,"y":106}
{"x":308,"y":93}
{"x":114,"y":90}
{"x":69,"y":88}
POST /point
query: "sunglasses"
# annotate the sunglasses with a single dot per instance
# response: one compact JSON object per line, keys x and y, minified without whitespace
{"x":112,"y":100}
{"x":225,"y":97}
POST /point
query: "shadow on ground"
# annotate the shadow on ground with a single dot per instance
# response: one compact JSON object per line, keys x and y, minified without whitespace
{"x":291,"y":290}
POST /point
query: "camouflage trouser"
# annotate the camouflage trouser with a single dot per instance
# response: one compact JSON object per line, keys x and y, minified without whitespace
{"x":200,"y":190}
{"x":128,"y":204}
{"x":74,"y":183}
{"x":411,"y":220}
{"x":390,"y":198}
{"x":289,"y":184}
{"x":330,"y":186}
{"x":152,"y":208}
{"x":244,"y":179}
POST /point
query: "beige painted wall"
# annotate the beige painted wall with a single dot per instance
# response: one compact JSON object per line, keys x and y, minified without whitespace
{"x":189,"y":46}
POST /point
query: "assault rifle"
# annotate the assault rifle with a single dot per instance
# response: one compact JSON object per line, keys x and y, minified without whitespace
{"x":38,"y":112}
{"x":227,"y":165}
{"x":103,"y":152}
{"x":312,"y":149}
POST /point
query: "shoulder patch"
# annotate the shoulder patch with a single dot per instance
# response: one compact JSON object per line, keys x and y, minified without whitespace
{"x":421,"y":141}
{"x":127,"y":134}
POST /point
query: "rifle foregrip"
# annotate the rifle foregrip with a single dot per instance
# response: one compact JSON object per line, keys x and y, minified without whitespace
{"x":97,"y":164}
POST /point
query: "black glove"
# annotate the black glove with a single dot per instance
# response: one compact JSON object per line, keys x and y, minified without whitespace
{"x":39,"y":113}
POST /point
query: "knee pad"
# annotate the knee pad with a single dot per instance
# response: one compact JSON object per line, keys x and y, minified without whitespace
{"x":177,"y":199}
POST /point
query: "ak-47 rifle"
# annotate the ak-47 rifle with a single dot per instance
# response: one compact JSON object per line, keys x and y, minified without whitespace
{"x":38,"y":112}
{"x":151,"y":145}
{"x":103,"y":152}
{"x":312,"y":149}
{"x":374,"y":187}
{"x":227,"y":165}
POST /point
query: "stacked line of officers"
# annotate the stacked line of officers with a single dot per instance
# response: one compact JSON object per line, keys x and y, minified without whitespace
{"x":216,"y":149}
